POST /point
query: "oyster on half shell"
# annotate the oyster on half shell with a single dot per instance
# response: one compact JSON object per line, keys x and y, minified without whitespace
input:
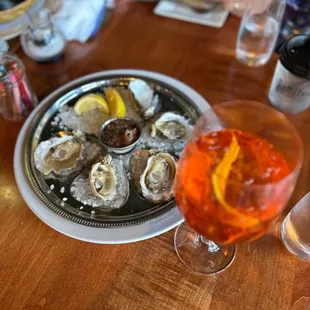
{"x":60,"y":155}
{"x":105,"y":185}
{"x":171,"y":126}
{"x":157,"y":180}
{"x":102,"y":179}
{"x":168,"y":132}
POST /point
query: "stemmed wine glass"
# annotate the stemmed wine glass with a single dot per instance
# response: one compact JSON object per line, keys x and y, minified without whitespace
{"x":235,"y":176}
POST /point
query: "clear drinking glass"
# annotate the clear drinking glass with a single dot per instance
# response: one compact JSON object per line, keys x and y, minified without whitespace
{"x":295,"y":229}
{"x":17,"y":98}
{"x":259,"y":30}
{"x":234,"y":178}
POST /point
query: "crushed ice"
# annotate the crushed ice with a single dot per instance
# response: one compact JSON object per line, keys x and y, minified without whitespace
{"x":81,"y":190}
{"x":88,"y":122}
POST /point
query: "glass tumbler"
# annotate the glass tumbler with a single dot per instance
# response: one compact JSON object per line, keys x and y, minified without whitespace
{"x":295,"y":229}
{"x":259,"y":30}
{"x":17,"y":98}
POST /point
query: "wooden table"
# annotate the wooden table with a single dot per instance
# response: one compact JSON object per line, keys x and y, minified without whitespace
{"x":40,"y":268}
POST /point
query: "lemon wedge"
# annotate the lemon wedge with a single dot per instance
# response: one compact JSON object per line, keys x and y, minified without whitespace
{"x":91,"y":102}
{"x":116,"y":103}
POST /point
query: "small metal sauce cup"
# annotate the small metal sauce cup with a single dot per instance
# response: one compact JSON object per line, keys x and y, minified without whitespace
{"x":119,"y":150}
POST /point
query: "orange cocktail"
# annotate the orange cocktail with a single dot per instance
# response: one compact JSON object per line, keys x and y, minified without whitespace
{"x":235,"y":176}
{"x":220,"y":185}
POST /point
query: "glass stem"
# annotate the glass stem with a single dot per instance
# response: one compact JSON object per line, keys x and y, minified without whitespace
{"x":199,"y":239}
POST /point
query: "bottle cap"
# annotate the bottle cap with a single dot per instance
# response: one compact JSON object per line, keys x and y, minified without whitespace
{"x":295,"y":55}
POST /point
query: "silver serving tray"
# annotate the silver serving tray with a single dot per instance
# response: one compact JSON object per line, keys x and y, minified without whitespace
{"x":136,"y":210}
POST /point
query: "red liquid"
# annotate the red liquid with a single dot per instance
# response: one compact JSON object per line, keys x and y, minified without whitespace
{"x":17,"y":99}
{"x":258,"y":163}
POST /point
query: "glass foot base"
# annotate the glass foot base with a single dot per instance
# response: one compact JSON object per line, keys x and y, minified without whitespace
{"x":202,"y":255}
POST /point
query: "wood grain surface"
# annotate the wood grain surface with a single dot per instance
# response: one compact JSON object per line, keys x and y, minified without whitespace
{"x":42,"y":269}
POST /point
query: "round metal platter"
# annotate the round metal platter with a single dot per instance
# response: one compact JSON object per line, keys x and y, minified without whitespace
{"x":138,"y":219}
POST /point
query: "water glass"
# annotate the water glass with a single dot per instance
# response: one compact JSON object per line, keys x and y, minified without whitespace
{"x":295,"y":229}
{"x":17,"y":99}
{"x":259,"y":30}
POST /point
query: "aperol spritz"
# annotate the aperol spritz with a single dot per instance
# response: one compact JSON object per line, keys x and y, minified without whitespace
{"x":234,"y":178}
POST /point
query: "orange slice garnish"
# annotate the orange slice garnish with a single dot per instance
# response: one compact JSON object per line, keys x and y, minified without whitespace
{"x":219,"y":183}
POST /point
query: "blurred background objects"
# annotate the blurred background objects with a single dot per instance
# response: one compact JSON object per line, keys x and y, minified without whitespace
{"x":18,"y":17}
{"x":53,"y":5}
{"x":11,"y":9}
{"x":17,"y":98}
{"x":80,"y":25}
{"x":13,"y":17}
{"x":41,"y":40}
{"x":297,"y":18}
{"x":4,"y":47}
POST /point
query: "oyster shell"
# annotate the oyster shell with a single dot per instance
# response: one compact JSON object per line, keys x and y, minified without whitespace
{"x":104,"y":186}
{"x":169,"y":132}
{"x":61,"y":155}
{"x":137,"y":165}
{"x":144,"y":95}
{"x":157,"y":180}
{"x":172,"y":126}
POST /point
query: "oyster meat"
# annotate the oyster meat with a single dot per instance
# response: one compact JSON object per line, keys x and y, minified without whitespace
{"x":144,"y":95}
{"x":102,"y":179}
{"x":157,"y":180}
{"x":104,"y":186}
{"x":168,"y":132}
{"x":172,"y":126}
{"x":61,"y":155}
